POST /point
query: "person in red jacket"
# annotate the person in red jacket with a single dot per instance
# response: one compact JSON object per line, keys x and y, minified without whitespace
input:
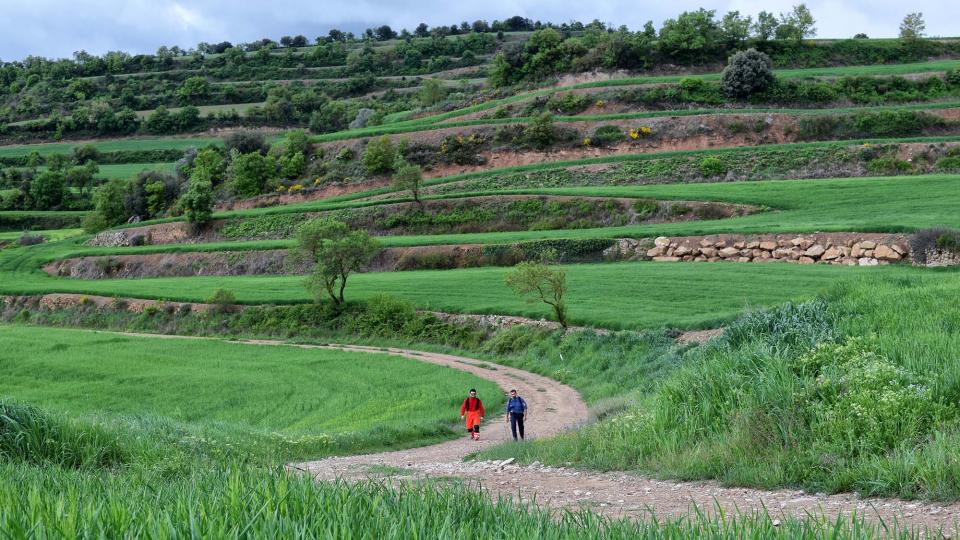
{"x":472,"y":410}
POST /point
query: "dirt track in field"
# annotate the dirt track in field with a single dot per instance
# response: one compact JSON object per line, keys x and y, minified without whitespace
{"x":555,"y":408}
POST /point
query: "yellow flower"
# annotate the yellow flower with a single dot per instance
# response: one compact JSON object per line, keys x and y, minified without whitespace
{"x":634,"y":134}
{"x":586,"y":141}
{"x":645,"y":131}
{"x":601,"y":104}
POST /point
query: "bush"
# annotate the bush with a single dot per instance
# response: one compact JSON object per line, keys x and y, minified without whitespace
{"x":888,"y":165}
{"x":606,"y":135}
{"x":949,"y":164}
{"x":222,"y":301}
{"x":250,"y":173}
{"x":952,"y":77}
{"x":711,"y":166}
{"x":246,"y":142}
{"x":540,"y":132}
{"x":31,"y":239}
{"x":645,"y":208}
{"x":928,"y":241}
{"x":380,"y":155}
{"x":747,"y":73}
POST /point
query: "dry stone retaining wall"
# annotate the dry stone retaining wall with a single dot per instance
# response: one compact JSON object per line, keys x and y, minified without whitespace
{"x":825,"y":248}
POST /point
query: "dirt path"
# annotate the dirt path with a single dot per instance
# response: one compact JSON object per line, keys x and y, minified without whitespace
{"x":554,"y":408}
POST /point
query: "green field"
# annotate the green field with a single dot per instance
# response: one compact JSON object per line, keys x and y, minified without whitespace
{"x":115,"y":145}
{"x":279,"y":402}
{"x":612,"y":295}
{"x":210,"y":110}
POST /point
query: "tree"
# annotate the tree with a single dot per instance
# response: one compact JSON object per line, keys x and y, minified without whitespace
{"x":383,"y":33}
{"x":246,"y":142}
{"x":380,"y":155}
{"x":250,"y":173}
{"x":337,"y":251}
{"x":194,"y":90}
{"x":85,"y":153}
{"x":109,"y":207}
{"x":408,"y":178}
{"x":432,"y":92}
{"x":536,"y":280}
{"x":331,"y":116}
{"x":912,"y":26}
{"x":48,"y":190}
{"x":197,"y":202}
{"x":797,"y":24}
{"x":500,"y":72}
{"x":766,"y":26}
{"x":82,"y":176}
{"x":207,"y":166}
{"x":422,"y":30}
{"x":746,"y":73}
{"x":692,"y":36}
{"x":735,"y":29}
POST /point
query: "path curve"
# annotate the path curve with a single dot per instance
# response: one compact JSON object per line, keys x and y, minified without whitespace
{"x":555,"y":408}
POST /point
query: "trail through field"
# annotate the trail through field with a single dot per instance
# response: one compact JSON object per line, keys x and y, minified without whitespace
{"x":555,"y":408}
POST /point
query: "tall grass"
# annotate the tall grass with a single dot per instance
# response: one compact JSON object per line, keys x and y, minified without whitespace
{"x":857,"y":391}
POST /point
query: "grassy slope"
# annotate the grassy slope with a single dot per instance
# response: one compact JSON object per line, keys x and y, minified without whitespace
{"x":289,"y":395}
{"x":613,"y":295}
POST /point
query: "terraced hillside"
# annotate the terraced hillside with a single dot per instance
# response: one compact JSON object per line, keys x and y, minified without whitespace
{"x":757,"y":289}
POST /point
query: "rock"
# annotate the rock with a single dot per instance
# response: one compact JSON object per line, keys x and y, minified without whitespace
{"x":740,"y":245}
{"x":667,"y":259}
{"x":867,"y":261}
{"x":706,"y":243}
{"x":708,"y":252}
{"x":856,"y":251}
{"x":662,"y":241}
{"x":886,"y":253}
{"x":765,"y":255}
{"x":805,"y":260}
{"x":831,"y":254}
{"x":655,"y":252}
{"x":753,"y":244}
{"x":768,"y":245}
{"x":849,"y":261}
{"x":867,"y":244}
{"x":815,"y":251}
{"x":744,"y":259}
{"x":682,"y":250}
{"x":899,"y":249}
{"x":728,"y":252}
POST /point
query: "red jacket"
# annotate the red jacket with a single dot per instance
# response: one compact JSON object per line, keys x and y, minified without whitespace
{"x":471,"y":404}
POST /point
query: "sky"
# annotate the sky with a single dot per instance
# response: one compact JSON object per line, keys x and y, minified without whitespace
{"x":57,"y":28}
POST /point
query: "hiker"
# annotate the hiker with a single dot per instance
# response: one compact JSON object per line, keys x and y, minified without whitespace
{"x":516,"y":411}
{"x":472,"y":410}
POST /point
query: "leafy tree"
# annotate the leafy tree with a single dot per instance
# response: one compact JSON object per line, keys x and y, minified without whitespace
{"x":332,"y":116}
{"x":422,"y":30}
{"x":194,"y":90}
{"x":207,"y":166}
{"x":81,"y":177}
{"x":246,"y":142}
{"x":408,"y":178}
{"x":380,"y":155}
{"x":298,"y":141}
{"x":735,"y":29}
{"x":912,"y":26}
{"x":48,"y":190}
{"x":500,"y":72}
{"x":766,"y":26}
{"x":56,"y":162}
{"x":797,"y":24}
{"x":432,"y":92}
{"x":160,"y":121}
{"x":692,"y":36}
{"x":108,"y":201}
{"x":337,"y":251}
{"x":85,"y":153}
{"x":539,"y":281}
{"x":197,"y":202}
{"x":250,"y":173}
{"x":384,"y":33}
{"x":747,"y":73}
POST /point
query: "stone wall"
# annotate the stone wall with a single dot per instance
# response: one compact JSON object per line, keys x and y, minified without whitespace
{"x":826,"y":248}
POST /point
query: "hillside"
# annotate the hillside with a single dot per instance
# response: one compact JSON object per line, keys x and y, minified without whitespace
{"x":739,"y":250}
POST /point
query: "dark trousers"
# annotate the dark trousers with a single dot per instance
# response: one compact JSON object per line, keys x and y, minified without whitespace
{"x":516,"y":422}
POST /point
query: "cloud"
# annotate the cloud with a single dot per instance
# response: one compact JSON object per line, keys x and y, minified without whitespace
{"x":56,"y":28}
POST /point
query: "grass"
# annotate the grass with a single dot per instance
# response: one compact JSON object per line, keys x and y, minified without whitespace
{"x":113,"y":145}
{"x":51,"y":235}
{"x":611,"y":295}
{"x":872,"y":409}
{"x":276,"y":403}
{"x":211,"y":110}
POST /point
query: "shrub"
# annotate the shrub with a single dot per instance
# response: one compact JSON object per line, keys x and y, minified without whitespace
{"x":31,"y":239}
{"x":246,"y":142}
{"x":888,"y":165}
{"x":952,"y":77}
{"x":949,"y":164}
{"x":606,"y":135}
{"x":930,"y":240}
{"x":540,"y":133}
{"x":645,"y":208}
{"x":380,"y":155}
{"x":222,"y":301}
{"x":250,"y":173}
{"x":747,"y":73}
{"x":712,"y":166}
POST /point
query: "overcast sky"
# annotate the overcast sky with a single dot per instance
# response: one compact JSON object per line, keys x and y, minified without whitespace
{"x":57,"y":28}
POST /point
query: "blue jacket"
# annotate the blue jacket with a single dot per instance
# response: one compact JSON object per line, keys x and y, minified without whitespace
{"x":516,"y":405}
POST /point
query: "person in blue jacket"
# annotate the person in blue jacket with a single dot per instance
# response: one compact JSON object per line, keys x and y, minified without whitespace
{"x":516,"y":411}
